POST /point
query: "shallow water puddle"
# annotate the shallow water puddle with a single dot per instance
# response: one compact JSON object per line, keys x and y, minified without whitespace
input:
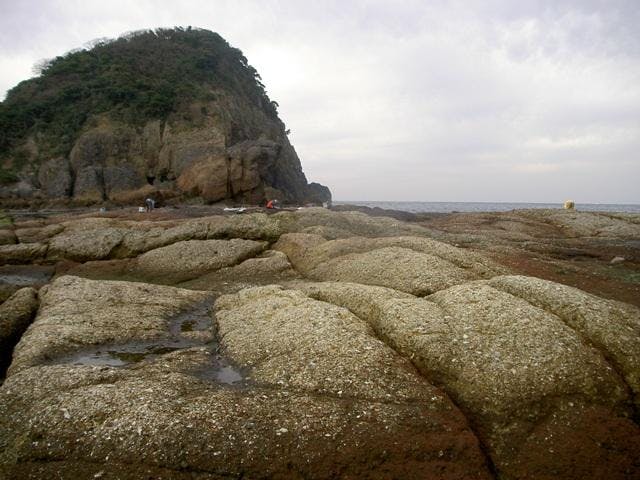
{"x":183,"y":333}
{"x":220,"y":371}
{"x":25,"y":275}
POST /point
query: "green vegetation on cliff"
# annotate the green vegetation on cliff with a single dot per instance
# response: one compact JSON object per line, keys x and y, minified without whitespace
{"x":137,"y":77}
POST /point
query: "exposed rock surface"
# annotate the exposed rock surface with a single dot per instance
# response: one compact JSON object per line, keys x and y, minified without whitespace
{"x":55,"y":178}
{"x":78,"y":313}
{"x":414,"y":265}
{"x":15,"y":315}
{"x":515,"y":369}
{"x":272,"y":267}
{"x":612,"y":327}
{"x":384,"y":352}
{"x":37,"y":234}
{"x":22,"y":253}
{"x":186,"y":260}
{"x":7,"y":237}
{"x":15,"y":277}
{"x":570,"y":247}
{"x":317,"y":377}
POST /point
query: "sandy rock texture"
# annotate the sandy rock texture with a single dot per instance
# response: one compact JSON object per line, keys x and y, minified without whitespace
{"x":322,"y":396}
{"x":570,"y":247}
{"x":415,"y":265}
{"x":320,"y":344}
{"x":268,"y":268}
{"x":76,"y":313}
{"x":515,"y":369}
{"x":16,"y":313}
{"x":193,"y":258}
{"x":22,"y":253}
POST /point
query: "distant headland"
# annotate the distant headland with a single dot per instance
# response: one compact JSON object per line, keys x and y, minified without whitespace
{"x":177,"y":114}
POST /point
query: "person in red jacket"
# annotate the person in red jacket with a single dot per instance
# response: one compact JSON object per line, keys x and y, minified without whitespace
{"x":270,"y":204}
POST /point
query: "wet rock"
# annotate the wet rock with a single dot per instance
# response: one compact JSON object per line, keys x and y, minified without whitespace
{"x":185,"y":260}
{"x":15,"y":316}
{"x":22,"y":253}
{"x":25,"y":275}
{"x":38,"y":234}
{"x":511,"y":366}
{"x":346,"y":389}
{"x":7,"y":237}
{"x":76,"y":312}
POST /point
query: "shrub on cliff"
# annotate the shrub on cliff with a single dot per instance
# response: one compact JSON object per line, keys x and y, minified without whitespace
{"x":139,"y":76}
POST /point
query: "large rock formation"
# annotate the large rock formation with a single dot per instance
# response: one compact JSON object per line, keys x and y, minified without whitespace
{"x":306,"y":344}
{"x":305,"y":390}
{"x":216,"y":137}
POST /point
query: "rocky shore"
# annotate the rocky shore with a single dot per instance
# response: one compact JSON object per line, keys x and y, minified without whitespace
{"x":190,"y":343}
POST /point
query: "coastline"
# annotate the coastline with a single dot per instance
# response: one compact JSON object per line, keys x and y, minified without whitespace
{"x":484,"y":207}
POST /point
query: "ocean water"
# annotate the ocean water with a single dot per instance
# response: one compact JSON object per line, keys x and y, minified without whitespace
{"x":448,"y":207}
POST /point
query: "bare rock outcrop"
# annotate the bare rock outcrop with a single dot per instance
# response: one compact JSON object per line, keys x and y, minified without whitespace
{"x":16,"y":313}
{"x":22,"y":253}
{"x":183,"y":261}
{"x":311,"y":376}
{"x":271,"y":267}
{"x":77,"y":313}
{"x":419,"y":266}
{"x":340,"y":345}
{"x":528,"y":381}
{"x":55,"y":178}
{"x":612,"y":327}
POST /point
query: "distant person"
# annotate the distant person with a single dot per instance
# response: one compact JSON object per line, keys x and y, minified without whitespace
{"x":149,"y":204}
{"x":271,"y":204}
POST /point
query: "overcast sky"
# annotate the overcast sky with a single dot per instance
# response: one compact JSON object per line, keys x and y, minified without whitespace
{"x":533,"y":101}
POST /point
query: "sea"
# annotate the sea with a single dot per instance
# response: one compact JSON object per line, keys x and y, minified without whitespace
{"x":449,"y":207}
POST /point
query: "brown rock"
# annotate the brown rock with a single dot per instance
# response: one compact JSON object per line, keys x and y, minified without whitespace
{"x":185,"y":260}
{"x":414,"y":265}
{"x":7,"y":237}
{"x":207,"y":178}
{"x":15,"y":316}
{"x":89,"y":185}
{"x":515,"y":369}
{"x":38,"y":234}
{"x":169,"y":416}
{"x":22,"y":253}
{"x":55,"y":178}
{"x":86,"y":244}
{"x":77,"y":313}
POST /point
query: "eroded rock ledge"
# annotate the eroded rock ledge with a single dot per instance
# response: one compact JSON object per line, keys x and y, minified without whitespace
{"x":310,"y":344}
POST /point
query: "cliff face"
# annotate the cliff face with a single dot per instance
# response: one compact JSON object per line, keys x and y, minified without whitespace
{"x":212,"y":133}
